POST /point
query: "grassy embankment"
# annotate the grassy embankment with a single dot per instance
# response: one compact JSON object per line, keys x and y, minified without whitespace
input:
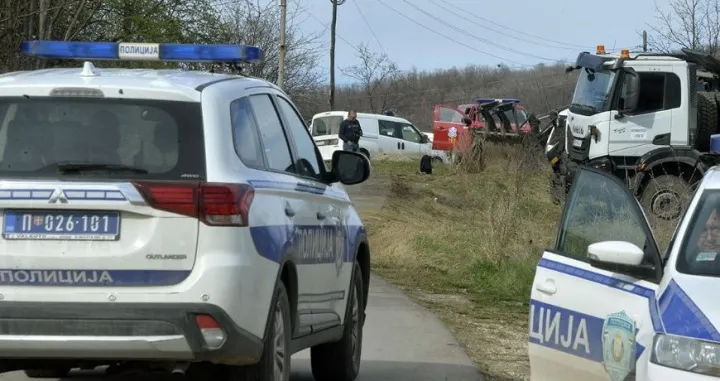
{"x":466,"y":244}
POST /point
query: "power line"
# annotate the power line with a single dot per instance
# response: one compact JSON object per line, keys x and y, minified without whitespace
{"x":484,"y":40}
{"x":369,"y":27}
{"x":530,"y":35}
{"x":519,"y":65}
{"x":460,"y":15}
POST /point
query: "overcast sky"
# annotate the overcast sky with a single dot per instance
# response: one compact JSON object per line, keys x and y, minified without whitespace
{"x":447,"y":33}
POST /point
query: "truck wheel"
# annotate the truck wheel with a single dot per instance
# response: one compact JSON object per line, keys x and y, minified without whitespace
{"x":666,"y":197}
{"x":47,"y":373}
{"x":707,"y":120}
{"x":340,"y":361}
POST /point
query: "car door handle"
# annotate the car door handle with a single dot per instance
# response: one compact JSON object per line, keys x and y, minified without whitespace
{"x":398,"y":145}
{"x":321,"y":216}
{"x":547,"y":287}
{"x":289,"y":211}
{"x":403,"y":145}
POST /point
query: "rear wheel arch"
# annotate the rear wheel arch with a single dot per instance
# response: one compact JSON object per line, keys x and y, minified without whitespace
{"x":363,"y":259}
{"x":289,"y":278}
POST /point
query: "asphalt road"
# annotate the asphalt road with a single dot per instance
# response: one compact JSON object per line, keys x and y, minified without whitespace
{"x":403,"y":342}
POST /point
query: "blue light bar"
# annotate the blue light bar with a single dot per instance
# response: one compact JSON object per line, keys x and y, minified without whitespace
{"x":140,"y":51}
{"x":501,"y":100}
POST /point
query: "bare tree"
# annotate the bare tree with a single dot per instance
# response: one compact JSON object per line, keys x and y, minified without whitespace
{"x":376,"y":74}
{"x":250,"y":22}
{"x":692,"y":24}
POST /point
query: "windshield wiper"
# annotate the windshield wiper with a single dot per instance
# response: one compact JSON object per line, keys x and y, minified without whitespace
{"x":585,"y":107}
{"x":85,"y":167}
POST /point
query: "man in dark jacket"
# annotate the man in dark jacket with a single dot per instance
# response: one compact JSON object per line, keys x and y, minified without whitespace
{"x":350,"y":132}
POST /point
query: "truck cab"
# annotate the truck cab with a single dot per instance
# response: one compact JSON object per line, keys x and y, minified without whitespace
{"x":644,"y":116}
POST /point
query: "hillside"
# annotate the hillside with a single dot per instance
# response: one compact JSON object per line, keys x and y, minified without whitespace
{"x":412,"y":94}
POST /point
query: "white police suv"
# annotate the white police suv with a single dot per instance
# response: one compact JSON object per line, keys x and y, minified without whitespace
{"x":174,"y":220}
{"x":606,"y":304}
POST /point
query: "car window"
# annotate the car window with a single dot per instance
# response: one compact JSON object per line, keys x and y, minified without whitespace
{"x":599,"y":210}
{"x":272,"y":135}
{"x":449,"y":115}
{"x":387,"y":128}
{"x":326,"y":125}
{"x":308,"y":163}
{"x":245,"y":133}
{"x":409,"y":133}
{"x":162,"y":137}
{"x":700,"y":250}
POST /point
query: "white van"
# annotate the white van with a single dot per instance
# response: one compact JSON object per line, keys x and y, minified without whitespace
{"x":381,"y":134}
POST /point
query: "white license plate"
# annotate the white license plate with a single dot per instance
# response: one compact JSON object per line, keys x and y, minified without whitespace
{"x":577,"y":143}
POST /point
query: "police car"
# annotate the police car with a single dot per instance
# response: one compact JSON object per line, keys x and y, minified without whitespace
{"x":170,"y":219}
{"x":606,"y":304}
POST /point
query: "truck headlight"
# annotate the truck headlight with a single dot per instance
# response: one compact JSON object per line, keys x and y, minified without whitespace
{"x":687,"y":354}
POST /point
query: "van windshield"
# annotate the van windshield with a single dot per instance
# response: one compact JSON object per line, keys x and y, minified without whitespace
{"x":326,"y":125}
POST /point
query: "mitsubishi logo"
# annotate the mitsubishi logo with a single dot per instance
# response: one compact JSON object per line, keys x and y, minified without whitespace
{"x":58,"y":195}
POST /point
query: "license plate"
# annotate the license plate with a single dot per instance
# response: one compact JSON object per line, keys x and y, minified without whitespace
{"x":577,"y":143}
{"x":61,"y":225}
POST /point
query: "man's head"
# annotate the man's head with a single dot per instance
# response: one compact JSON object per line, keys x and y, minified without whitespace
{"x":352,"y":115}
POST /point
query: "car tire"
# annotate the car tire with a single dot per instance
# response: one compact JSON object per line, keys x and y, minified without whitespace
{"x":672,"y":189}
{"x":366,"y":153}
{"x":276,"y":347}
{"x":340,"y":360}
{"x":47,"y":373}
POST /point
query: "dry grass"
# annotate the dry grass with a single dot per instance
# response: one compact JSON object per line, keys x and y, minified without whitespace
{"x":465,"y":242}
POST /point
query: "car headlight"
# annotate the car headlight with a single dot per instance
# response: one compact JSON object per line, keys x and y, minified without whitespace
{"x":687,"y":354}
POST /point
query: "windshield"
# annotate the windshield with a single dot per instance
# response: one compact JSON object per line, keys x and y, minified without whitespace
{"x":44,"y":137}
{"x":592,"y":93}
{"x":700,"y":251}
{"x":327,"y":125}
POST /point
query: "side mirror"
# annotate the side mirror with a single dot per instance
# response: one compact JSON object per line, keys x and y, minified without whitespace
{"x":620,"y":257}
{"x":632,"y":92}
{"x":350,"y":167}
{"x":424,"y":138}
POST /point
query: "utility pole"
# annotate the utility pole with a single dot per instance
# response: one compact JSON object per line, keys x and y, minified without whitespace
{"x":644,"y":46}
{"x":333,"y":24}
{"x":281,"y":63}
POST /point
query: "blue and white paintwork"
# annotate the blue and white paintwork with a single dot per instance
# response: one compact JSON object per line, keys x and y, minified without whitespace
{"x":571,"y":300}
{"x":233,"y":268}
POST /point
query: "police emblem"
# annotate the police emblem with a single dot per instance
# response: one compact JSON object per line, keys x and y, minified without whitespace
{"x":618,"y":346}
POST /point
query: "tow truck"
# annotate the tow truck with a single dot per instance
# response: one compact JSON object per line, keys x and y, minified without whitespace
{"x":648,"y":118}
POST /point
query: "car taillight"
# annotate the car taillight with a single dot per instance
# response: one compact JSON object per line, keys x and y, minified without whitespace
{"x":214,"y":204}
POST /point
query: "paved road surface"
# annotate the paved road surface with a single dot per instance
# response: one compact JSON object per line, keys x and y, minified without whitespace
{"x":403,"y":342}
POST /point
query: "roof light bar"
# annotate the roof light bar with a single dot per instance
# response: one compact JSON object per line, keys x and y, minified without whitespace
{"x":140,"y":51}
{"x":500,"y":100}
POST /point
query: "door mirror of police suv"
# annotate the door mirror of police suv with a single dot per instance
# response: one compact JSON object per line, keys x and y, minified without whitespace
{"x":620,"y":257}
{"x":350,"y":167}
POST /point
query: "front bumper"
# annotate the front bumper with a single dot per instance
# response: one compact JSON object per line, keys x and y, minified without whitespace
{"x":122,"y":331}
